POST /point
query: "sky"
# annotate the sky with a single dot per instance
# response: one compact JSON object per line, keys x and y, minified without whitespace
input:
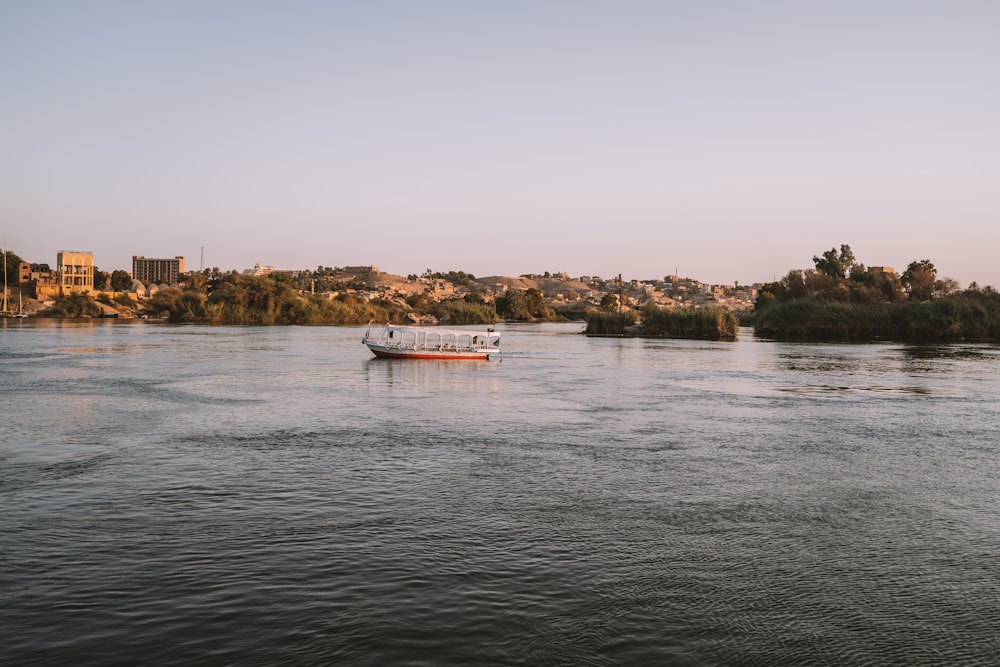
{"x":724,"y":141}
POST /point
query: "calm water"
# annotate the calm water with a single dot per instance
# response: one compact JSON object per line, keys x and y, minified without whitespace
{"x":227,"y":495}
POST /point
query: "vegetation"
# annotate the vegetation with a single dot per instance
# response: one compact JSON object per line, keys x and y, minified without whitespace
{"x":841,"y":300}
{"x":13,"y":261}
{"x":706,"y":323}
{"x":709,"y":323}
{"x":455,"y":277}
{"x":524,"y":306}
{"x":612,"y":302}
{"x":100,"y":279}
{"x":462,"y":311}
{"x":121,"y":281}
{"x":237,"y":299}
{"x":607,"y":323}
{"x":574,"y":312}
{"x":818,"y":318}
{"x":969,"y":315}
{"x":77,"y":305}
{"x":833,"y":264}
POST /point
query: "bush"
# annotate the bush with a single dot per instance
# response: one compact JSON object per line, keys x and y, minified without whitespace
{"x":709,"y":323}
{"x":460,"y":311}
{"x":76,"y":305}
{"x":610,"y":324}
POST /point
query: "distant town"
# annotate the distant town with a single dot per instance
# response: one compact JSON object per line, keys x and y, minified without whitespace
{"x":839,"y":299}
{"x":34,"y":286}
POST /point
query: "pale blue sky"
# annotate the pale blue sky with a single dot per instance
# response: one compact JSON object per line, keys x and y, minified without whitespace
{"x":726,"y":140}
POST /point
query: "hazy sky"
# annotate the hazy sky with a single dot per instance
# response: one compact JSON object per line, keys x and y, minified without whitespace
{"x":724,"y":140}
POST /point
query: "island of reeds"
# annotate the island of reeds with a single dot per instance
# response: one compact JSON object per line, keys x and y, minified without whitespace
{"x":711,"y":323}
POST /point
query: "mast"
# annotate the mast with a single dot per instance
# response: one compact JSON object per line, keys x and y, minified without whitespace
{"x":621,"y":293}
{"x":4,"y":278}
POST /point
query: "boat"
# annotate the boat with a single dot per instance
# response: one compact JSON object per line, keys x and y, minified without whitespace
{"x":408,"y":342}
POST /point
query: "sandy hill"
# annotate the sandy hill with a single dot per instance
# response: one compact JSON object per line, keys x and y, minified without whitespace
{"x":547,"y":286}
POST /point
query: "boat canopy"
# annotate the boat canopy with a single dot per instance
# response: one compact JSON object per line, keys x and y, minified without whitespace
{"x":435,"y":337}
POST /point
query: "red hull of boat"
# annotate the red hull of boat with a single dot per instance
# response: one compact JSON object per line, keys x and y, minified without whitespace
{"x":384,"y":354}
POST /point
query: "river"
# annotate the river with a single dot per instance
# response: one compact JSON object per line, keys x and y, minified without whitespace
{"x":275,"y":495}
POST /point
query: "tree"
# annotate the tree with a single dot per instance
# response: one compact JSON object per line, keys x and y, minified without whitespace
{"x":194,"y":280}
{"x":12,"y":263}
{"x":512,"y":306}
{"x":455,"y":277}
{"x":419,"y":301}
{"x":919,"y":280}
{"x":611,"y":302}
{"x":765,"y":297}
{"x":880,"y":286}
{"x":946,"y":286}
{"x":121,"y":281}
{"x":833,"y":264}
{"x":536,"y":301}
{"x":521,"y":304}
{"x":100,"y":280}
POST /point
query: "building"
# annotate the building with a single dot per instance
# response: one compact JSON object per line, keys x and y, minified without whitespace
{"x":268,"y":270}
{"x":259,"y":270}
{"x":75,"y":272}
{"x":361,"y":270}
{"x":38,"y":271}
{"x":158,"y":271}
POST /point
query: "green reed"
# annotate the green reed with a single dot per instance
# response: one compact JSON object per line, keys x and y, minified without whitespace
{"x":968,"y":315}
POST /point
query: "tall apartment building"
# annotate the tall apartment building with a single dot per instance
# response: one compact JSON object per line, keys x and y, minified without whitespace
{"x":157,"y":271}
{"x":76,"y":272}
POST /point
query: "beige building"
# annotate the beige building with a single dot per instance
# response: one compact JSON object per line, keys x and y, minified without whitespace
{"x":75,"y":272}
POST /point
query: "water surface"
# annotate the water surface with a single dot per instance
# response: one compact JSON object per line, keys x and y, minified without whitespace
{"x":251,"y":495}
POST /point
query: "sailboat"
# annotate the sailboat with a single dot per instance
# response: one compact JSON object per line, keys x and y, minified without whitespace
{"x":5,"y":311}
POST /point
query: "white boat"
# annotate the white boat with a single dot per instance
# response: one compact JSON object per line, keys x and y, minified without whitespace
{"x":402,"y":342}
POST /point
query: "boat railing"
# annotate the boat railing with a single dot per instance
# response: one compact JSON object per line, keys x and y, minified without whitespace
{"x":433,"y":341}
